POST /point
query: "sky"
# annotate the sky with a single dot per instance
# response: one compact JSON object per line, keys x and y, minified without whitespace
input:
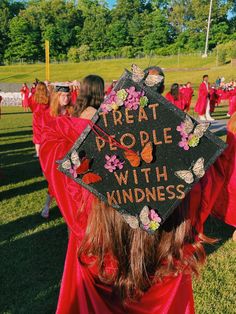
{"x":111,"y":3}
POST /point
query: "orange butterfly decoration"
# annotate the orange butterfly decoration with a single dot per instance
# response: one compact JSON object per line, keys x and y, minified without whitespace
{"x":146,"y":154}
{"x":88,"y":177}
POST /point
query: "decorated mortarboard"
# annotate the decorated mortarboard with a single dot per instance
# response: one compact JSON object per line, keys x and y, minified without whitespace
{"x":62,"y":88}
{"x":141,"y":154}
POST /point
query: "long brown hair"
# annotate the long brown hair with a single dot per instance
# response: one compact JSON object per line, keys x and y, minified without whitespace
{"x":91,"y":94}
{"x":141,"y":259}
{"x":41,"y":94}
{"x":174,"y":90}
{"x":232,"y":124}
{"x":55,"y":107}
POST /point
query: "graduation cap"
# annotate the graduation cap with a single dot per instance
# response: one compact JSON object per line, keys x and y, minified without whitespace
{"x":62,"y":88}
{"x":141,"y":154}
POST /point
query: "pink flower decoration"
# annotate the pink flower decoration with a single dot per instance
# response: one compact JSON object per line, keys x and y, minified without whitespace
{"x":113,"y":163}
{"x":132,"y":100}
{"x":184,"y":143}
{"x":154,"y":216}
{"x":73,"y":172}
{"x":104,"y":108}
{"x":181,"y":129}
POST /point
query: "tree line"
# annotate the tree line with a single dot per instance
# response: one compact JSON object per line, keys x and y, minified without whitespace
{"x":89,"y":29}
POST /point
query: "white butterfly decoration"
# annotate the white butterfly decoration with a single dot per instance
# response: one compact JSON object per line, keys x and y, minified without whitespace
{"x":138,"y":74}
{"x":188,"y":175}
{"x":67,"y":165}
{"x":149,"y":220}
{"x":198,"y":131}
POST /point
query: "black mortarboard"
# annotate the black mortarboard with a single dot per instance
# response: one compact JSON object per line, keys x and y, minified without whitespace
{"x":62,"y":88}
{"x":140,"y":153}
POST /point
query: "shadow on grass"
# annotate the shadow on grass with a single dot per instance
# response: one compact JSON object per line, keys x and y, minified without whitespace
{"x":14,"y":146}
{"x":18,"y":127}
{"x":17,"y":159}
{"x":18,"y":226}
{"x":22,"y":190}
{"x":217,"y":229}
{"x":31,"y":270}
{"x":9,"y":113}
{"x":17,"y":133}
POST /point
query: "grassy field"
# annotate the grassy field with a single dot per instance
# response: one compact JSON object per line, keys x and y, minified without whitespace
{"x":33,"y":249}
{"x":177,"y":69}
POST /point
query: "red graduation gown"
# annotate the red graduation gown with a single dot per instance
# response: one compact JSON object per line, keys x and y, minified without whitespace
{"x":179,"y":103}
{"x":202,"y":100}
{"x":187,"y":93}
{"x":225,"y":206}
{"x":25,"y":94}
{"x":38,"y":119}
{"x":81,"y":291}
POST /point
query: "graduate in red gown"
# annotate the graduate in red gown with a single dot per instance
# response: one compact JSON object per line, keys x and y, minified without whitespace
{"x":110,"y":87}
{"x":225,"y":206}
{"x":74,"y":94}
{"x":60,"y":105}
{"x":187,"y":92}
{"x":214,"y":99}
{"x":202,"y":106}
{"x":25,"y":96}
{"x":175,"y":97}
{"x":232,"y":101}
{"x":110,"y":268}
{"x":38,"y":103}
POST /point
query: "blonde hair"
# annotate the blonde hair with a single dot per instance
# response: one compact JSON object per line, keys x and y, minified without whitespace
{"x":41,"y":94}
{"x":55,"y":107}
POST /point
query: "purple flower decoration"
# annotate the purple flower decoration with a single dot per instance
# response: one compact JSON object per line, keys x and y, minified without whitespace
{"x":113,"y":163}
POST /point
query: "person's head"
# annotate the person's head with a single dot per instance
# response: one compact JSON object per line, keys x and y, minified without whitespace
{"x":188,"y":84}
{"x":41,"y":94}
{"x":137,"y":254}
{"x":91,"y":94}
{"x":155,"y":70}
{"x":174,"y":91}
{"x":61,"y":100}
{"x":205,"y":78}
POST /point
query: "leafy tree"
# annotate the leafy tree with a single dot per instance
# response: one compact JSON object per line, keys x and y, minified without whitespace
{"x":24,"y":40}
{"x":94,"y":30}
{"x":157,"y":29}
{"x":7,"y":11}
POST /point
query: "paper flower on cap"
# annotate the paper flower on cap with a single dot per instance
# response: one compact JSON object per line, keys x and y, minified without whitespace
{"x":191,"y":134}
{"x":113,"y":163}
{"x":122,"y":94}
{"x":193,"y":140}
{"x":130,"y":98}
{"x":133,"y":98}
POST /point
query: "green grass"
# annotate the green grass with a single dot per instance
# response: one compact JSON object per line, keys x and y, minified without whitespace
{"x":194,"y":67}
{"x":33,"y":249}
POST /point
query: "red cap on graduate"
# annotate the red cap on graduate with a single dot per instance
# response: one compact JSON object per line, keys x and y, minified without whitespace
{"x":141,"y":154}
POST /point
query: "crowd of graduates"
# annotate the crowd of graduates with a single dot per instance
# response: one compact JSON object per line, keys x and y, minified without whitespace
{"x":61,"y":112}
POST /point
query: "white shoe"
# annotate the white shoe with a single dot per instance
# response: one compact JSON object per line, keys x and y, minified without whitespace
{"x":209,"y":118}
{"x":202,"y":118}
{"x":45,"y":212}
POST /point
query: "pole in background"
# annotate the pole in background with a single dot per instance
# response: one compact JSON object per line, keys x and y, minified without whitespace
{"x":208,"y":30}
{"x":47,"y":60}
